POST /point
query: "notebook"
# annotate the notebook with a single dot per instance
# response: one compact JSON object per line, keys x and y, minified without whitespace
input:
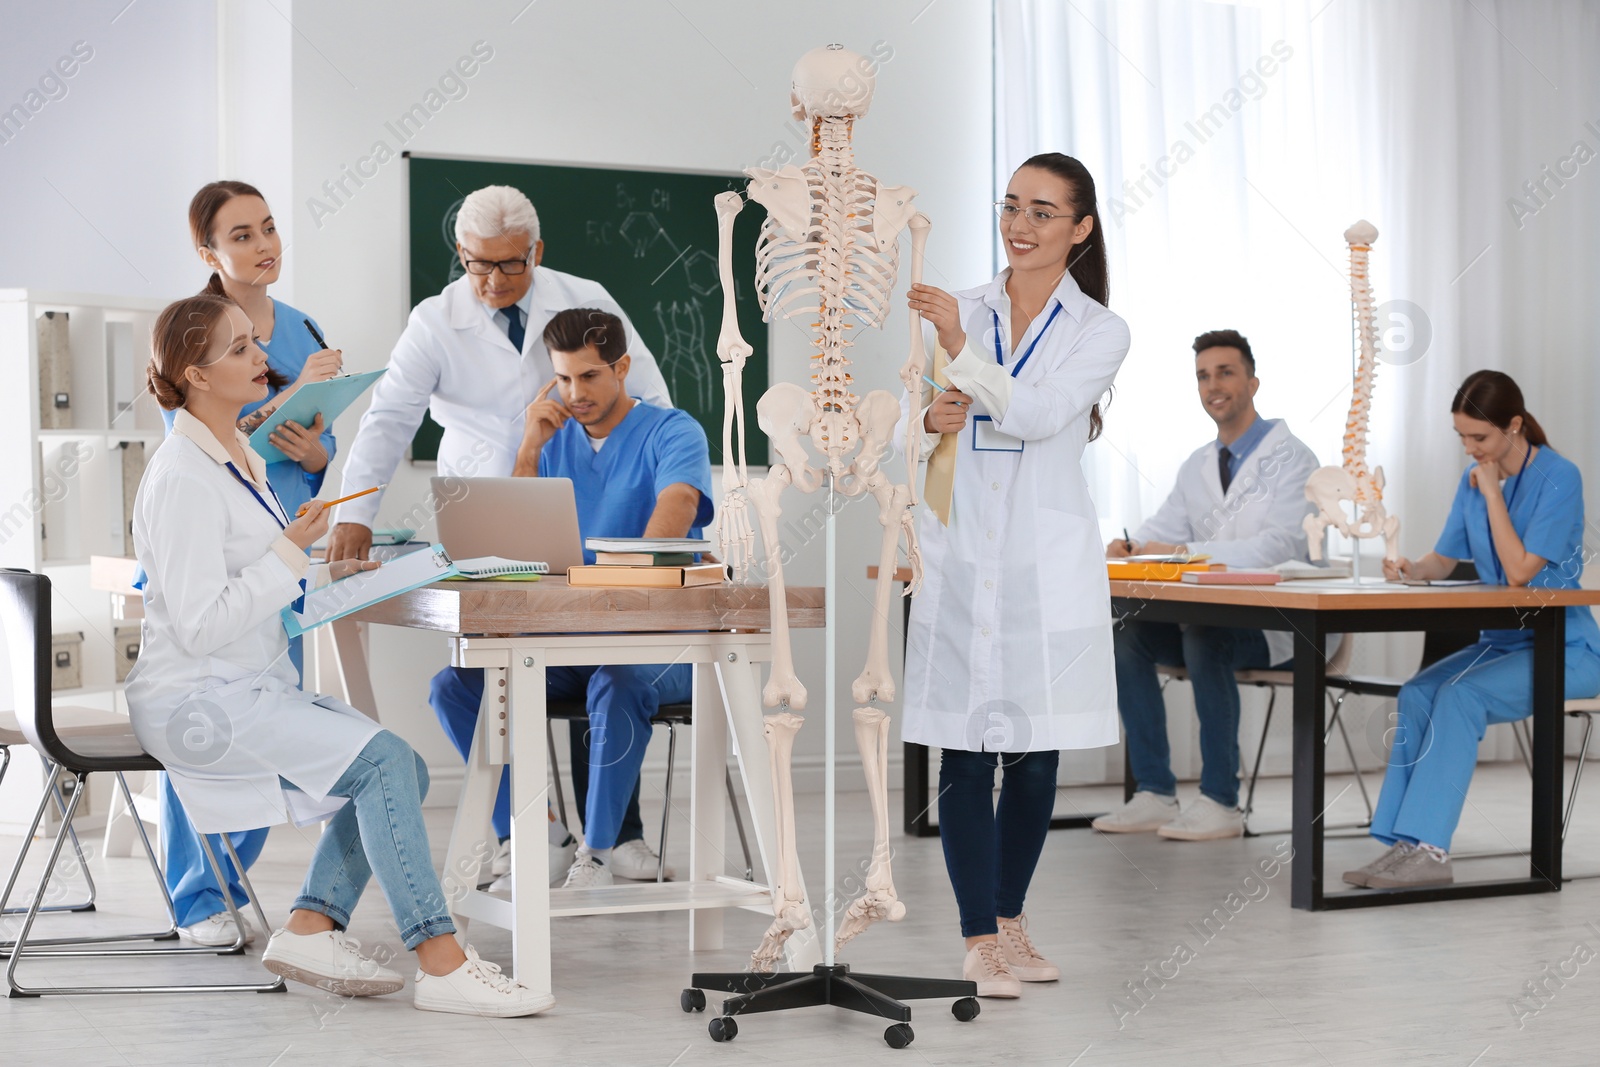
{"x":499,"y":567}
{"x":361,"y":590}
{"x":328,"y":398}
{"x":647,"y":544}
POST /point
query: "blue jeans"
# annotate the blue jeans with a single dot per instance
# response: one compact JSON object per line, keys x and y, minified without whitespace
{"x":621,"y":702}
{"x":195,"y":893}
{"x":991,"y":851}
{"x":1210,"y":654}
{"x":379,"y":833}
{"x":1443,"y":713}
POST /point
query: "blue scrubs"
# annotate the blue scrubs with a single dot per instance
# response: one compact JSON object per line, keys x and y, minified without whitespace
{"x":1445,"y":709}
{"x":616,"y":489}
{"x":195,"y":895}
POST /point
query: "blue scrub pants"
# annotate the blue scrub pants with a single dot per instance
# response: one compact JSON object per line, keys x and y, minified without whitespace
{"x":1210,"y":654}
{"x":1443,"y":714}
{"x":379,"y":834}
{"x":991,"y":850}
{"x":621,"y":702}
{"x":195,"y":893}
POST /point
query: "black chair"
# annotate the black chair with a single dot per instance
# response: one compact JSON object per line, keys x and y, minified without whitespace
{"x":671,"y":716}
{"x":25,"y":622}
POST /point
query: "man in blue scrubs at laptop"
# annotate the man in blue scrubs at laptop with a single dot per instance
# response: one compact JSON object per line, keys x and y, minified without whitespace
{"x":638,"y":471}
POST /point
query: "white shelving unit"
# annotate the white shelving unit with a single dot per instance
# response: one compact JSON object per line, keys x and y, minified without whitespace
{"x":62,"y":486}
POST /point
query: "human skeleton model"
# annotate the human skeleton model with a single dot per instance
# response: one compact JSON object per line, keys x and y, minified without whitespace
{"x":828,"y":253}
{"x":1330,"y":487}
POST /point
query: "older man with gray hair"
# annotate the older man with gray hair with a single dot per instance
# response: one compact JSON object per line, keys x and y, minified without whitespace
{"x":474,"y":357}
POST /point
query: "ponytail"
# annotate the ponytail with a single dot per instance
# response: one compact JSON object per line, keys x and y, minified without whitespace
{"x":214,"y":285}
{"x":1087,"y":262}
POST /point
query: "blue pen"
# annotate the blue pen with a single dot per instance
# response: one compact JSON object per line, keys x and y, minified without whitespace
{"x":941,"y":388}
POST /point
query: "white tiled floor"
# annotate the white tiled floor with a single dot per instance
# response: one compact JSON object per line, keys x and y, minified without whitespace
{"x":1422,"y":984}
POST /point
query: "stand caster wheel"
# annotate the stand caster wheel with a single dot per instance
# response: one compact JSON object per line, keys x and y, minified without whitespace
{"x":965,"y":1010}
{"x":692,"y":1000}
{"x":899,"y":1035}
{"x":723,"y":1028}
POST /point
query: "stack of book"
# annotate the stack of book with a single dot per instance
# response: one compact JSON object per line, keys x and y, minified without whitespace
{"x":646,"y":562}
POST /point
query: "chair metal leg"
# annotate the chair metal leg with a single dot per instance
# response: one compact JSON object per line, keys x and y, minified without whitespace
{"x":738,"y":824}
{"x":666,"y":809}
{"x":555,"y":774}
{"x":53,"y":791}
{"x":1577,"y":774}
{"x":1250,"y":796}
{"x":23,"y":943}
{"x":1355,"y":768}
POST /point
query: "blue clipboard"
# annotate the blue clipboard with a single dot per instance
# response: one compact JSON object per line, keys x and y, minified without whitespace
{"x":330,"y":398}
{"x":361,"y":590}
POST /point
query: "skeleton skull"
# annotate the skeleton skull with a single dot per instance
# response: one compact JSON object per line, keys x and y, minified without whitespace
{"x":832,"y":82}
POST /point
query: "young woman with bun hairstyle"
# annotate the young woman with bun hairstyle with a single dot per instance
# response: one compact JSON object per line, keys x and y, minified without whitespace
{"x":215,"y":699}
{"x":1518,"y":516}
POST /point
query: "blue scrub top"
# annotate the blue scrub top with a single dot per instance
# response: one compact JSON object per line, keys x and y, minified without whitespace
{"x":616,"y":487}
{"x":287,"y":352}
{"x":1546,"y":507}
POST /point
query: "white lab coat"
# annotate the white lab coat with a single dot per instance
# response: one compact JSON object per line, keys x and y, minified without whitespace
{"x":455,"y":361}
{"x":214,"y":696}
{"x":1257,"y":523}
{"x":1009,"y":647}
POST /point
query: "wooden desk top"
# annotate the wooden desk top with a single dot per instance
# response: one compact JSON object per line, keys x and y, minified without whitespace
{"x":550,"y":606}
{"x":1373,"y":594}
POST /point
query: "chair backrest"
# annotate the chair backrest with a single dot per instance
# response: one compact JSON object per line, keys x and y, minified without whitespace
{"x":25,"y":622}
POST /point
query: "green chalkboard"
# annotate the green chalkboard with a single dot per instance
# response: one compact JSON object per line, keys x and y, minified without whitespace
{"x":649,"y":237}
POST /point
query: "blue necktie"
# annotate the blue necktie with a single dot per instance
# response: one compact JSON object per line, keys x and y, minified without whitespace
{"x":1225,"y":467}
{"x":514,"y":328}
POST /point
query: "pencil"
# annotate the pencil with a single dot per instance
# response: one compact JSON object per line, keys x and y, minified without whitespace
{"x":342,"y":499}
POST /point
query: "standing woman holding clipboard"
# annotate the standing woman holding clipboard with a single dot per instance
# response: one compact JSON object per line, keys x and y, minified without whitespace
{"x":1009,"y":654}
{"x":213,"y":696}
{"x":236,"y":236}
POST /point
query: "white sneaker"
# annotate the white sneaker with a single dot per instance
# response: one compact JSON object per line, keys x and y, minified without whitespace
{"x":586,"y":871}
{"x":638,"y":861}
{"x":477,"y":988}
{"x":1205,"y":820}
{"x":330,"y":961}
{"x":1145,"y":811}
{"x":216,"y":931}
{"x":501,"y":863}
{"x":560,"y":859}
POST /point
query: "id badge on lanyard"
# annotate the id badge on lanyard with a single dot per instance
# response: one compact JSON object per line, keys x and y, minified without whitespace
{"x":985,"y":436}
{"x":278,"y":517}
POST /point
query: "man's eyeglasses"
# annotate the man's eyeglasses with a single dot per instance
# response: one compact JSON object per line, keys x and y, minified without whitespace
{"x":508,"y":267}
{"x":1009,"y":211}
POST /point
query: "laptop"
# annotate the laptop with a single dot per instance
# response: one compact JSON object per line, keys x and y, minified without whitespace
{"x":532,"y":519}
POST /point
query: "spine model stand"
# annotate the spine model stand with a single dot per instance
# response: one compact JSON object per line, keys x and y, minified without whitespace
{"x":827,"y":255}
{"x":1331,"y":487}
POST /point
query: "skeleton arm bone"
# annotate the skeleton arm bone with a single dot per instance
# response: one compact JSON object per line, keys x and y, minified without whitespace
{"x":916,"y":361}
{"x":738,"y":540}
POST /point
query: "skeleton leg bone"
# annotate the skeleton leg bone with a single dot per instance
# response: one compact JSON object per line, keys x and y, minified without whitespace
{"x":879,"y":901}
{"x":788,"y":896}
{"x":732,"y":350}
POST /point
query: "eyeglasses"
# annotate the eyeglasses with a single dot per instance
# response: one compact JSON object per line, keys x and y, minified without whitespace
{"x":508,"y":267}
{"x":1009,"y":211}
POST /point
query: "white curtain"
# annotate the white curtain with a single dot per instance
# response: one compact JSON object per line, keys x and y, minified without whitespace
{"x":1233,"y":144}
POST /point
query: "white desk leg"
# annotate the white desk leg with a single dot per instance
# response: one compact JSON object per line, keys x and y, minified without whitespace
{"x":741,"y":689}
{"x":708,"y":830}
{"x":471,"y":841}
{"x":352,"y":654}
{"x":530,"y":824}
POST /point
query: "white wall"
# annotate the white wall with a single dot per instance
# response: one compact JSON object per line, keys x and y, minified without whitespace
{"x":95,"y":185}
{"x":697,"y":85}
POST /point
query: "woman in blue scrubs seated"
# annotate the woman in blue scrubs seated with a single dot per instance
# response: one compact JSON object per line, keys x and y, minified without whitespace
{"x":237,"y":237}
{"x":1518,"y":515}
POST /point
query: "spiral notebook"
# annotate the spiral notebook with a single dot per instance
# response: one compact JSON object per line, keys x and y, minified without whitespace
{"x":499,"y":567}
{"x":366,"y":588}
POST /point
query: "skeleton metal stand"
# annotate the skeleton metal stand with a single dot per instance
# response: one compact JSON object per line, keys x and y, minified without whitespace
{"x":829,"y":982}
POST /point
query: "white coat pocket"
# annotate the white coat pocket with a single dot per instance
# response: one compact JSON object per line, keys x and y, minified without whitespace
{"x":1073,"y":590}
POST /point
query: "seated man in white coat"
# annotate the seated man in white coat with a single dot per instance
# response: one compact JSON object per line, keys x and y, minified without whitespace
{"x":1239,"y":499}
{"x":474,"y":356}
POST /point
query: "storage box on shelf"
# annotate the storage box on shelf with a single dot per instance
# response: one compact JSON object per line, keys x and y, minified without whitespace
{"x":75,"y":447}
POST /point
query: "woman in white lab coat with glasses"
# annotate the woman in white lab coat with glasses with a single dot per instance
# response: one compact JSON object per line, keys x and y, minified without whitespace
{"x":216,"y":700}
{"x":1009,"y":654}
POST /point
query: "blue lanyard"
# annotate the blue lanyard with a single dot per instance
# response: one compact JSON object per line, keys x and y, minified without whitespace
{"x":1493,"y":554}
{"x":300,"y":601}
{"x":999,"y":353}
